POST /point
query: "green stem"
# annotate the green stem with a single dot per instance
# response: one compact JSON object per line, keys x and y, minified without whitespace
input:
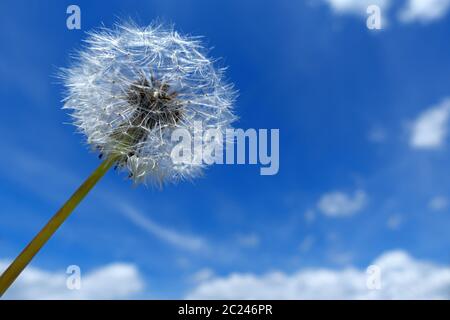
{"x":17,"y":266}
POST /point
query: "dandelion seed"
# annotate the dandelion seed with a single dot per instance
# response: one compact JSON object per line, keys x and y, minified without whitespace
{"x":131,"y":87}
{"x":128,"y":90}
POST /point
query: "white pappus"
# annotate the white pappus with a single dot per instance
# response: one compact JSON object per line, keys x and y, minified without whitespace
{"x":131,"y":86}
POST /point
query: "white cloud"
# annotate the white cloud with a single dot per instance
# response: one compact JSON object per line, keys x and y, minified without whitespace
{"x":402,"y":277}
{"x":112,"y":281}
{"x":438,"y":203}
{"x":412,"y":11}
{"x":430,"y":129}
{"x":182,"y":241}
{"x":358,"y":7}
{"x":337,"y":203}
{"x":424,"y":10}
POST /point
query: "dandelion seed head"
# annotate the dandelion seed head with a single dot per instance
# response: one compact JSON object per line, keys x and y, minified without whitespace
{"x":131,"y":86}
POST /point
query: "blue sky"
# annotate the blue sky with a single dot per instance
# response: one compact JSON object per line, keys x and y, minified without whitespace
{"x":364,"y":155}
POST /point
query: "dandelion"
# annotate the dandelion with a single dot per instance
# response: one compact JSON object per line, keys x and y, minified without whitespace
{"x":129,"y":88}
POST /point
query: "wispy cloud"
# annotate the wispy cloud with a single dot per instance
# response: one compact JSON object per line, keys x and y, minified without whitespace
{"x":175,"y":238}
{"x":30,"y":170}
{"x":394,"y":221}
{"x":307,"y":243}
{"x":429,"y":130}
{"x":34,"y":169}
{"x":202,"y":275}
{"x":438,"y":203}
{"x":402,"y":277}
{"x":377,"y":135}
{"x":339,"y":204}
{"x":113,"y":281}
{"x":250,"y":240}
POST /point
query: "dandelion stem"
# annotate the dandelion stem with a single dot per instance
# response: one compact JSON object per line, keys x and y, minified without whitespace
{"x":17,"y":266}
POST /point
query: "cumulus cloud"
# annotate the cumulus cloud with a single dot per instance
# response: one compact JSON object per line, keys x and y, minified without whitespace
{"x":112,"y":281}
{"x":424,"y":10}
{"x":429,"y":130}
{"x":401,"y":277}
{"x":358,"y":7}
{"x":338,"y":204}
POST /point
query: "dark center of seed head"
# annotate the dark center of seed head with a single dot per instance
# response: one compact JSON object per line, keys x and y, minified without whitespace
{"x":154,"y":105}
